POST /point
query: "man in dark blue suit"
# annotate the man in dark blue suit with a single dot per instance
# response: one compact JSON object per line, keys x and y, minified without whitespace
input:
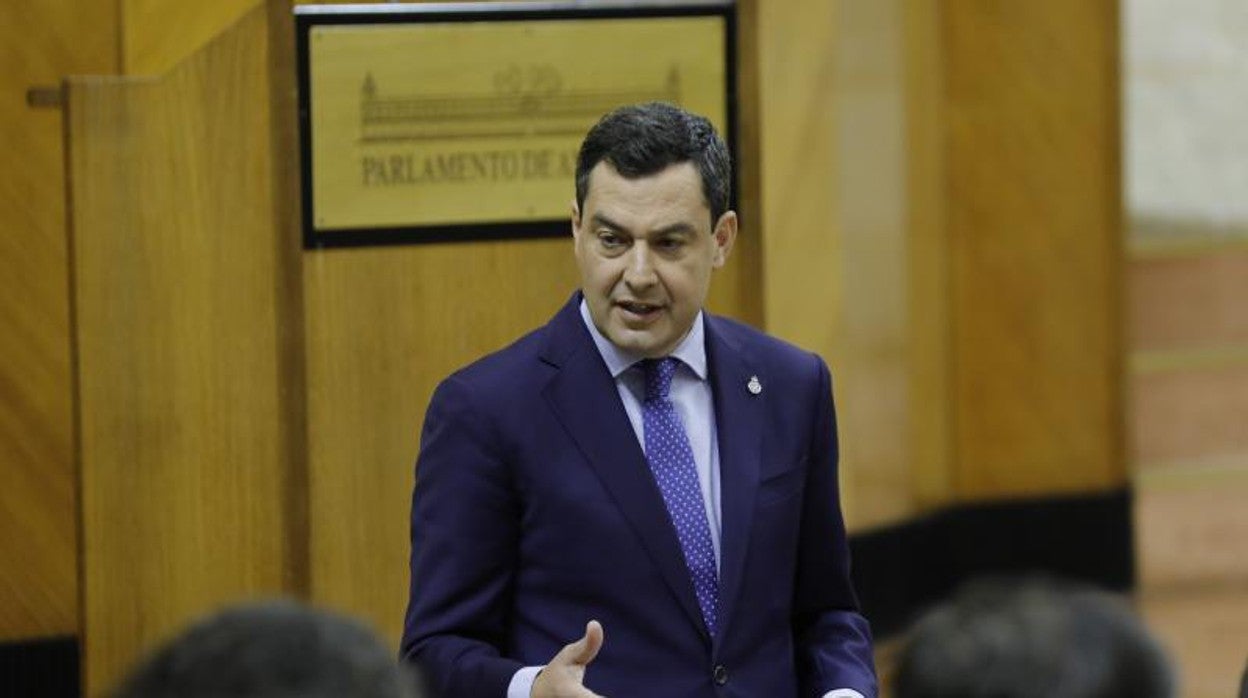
{"x":637,"y":468}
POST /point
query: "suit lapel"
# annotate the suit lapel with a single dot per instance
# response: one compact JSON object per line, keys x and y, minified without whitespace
{"x":583,"y":396}
{"x":738,"y":423}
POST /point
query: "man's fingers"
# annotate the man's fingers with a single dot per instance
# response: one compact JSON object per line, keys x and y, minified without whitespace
{"x":564,"y":675}
{"x":583,"y":651}
{"x":592,"y":643}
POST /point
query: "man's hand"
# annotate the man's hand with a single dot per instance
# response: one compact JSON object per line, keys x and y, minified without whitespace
{"x":564,"y":676}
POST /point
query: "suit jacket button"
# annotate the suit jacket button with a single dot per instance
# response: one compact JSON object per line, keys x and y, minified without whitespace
{"x":720,"y":675}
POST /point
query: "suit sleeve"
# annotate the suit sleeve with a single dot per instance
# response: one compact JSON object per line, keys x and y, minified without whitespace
{"x":832,"y":639}
{"x":464,"y":532}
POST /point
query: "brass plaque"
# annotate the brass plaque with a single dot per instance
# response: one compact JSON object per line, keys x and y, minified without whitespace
{"x":448,"y":129}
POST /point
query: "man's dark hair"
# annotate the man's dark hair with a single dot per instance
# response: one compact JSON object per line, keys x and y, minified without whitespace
{"x":644,"y":139}
{"x":1035,"y":638}
{"x":276,"y":649}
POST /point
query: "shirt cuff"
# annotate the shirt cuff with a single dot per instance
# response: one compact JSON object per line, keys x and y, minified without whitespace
{"x":522,"y":682}
{"x":837,"y":693}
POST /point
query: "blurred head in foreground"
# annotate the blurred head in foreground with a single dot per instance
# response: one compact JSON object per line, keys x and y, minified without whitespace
{"x":1025,"y":639}
{"x":277,"y":649}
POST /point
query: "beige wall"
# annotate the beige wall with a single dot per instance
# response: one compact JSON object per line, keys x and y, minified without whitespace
{"x":1185,"y":77}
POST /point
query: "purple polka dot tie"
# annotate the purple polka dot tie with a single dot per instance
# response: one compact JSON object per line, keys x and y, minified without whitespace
{"x":671,"y":461}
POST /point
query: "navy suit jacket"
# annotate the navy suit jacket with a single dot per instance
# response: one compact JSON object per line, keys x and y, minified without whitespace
{"x":534,"y":511}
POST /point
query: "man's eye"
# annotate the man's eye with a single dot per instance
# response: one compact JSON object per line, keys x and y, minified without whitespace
{"x":670,"y":244}
{"x":609,"y":239}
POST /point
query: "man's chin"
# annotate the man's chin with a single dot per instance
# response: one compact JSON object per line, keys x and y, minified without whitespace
{"x":645,"y":344}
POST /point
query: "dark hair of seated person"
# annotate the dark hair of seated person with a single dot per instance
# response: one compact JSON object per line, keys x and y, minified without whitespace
{"x":276,"y":649}
{"x":1034,"y":638}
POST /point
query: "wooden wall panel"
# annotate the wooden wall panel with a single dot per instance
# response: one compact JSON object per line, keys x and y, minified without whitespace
{"x":384,"y":326}
{"x":801,"y":229}
{"x":183,"y":443}
{"x":854,"y":255}
{"x":1034,"y":219}
{"x":874,"y":337}
{"x":929,"y":349}
{"x":39,"y":43}
{"x":158,"y":34}
{"x":800,"y":237}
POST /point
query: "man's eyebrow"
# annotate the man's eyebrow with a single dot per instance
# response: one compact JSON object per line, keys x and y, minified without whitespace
{"x":599,"y":219}
{"x":680,"y":227}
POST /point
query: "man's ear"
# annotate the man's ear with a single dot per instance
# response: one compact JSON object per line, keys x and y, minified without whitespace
{"x":725,"y":234}
{"x":576,"y":219}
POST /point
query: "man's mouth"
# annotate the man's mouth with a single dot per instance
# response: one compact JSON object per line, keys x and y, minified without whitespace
{"x":639,"y":309}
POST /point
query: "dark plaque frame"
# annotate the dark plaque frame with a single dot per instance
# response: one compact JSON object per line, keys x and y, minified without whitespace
{"x":309,"y":16}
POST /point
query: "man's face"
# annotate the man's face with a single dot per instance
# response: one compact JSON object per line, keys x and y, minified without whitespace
{"x":645,"y":248}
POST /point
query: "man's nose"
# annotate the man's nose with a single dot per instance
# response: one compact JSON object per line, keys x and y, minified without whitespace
{"x":640,"y":269}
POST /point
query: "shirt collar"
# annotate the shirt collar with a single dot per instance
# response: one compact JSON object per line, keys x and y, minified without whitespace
{"x":691,"y":350}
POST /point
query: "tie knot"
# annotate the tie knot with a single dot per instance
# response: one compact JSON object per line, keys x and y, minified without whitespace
{"x":659,"y":374}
